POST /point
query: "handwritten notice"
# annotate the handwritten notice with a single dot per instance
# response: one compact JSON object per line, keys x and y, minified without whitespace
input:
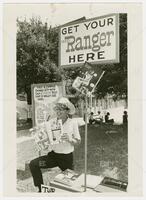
{"x":44,"y":97}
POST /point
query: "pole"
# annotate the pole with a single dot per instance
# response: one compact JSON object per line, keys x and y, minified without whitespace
{"x":85,"y":177}
{"x":91,"y":103}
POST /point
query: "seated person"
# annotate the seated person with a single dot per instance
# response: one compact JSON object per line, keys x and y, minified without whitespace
{"x":91,"y":118}
{"x":107,"y":120}
{"x":98,"y":118}
{"x":61,"y":154}
{"x":95,"y":119}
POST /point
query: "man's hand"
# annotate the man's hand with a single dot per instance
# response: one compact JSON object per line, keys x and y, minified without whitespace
{"x":65,"y":137}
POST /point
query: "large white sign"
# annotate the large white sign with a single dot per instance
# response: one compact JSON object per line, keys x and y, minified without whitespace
{"x":94,"y":40}
{"x":44,"y":97}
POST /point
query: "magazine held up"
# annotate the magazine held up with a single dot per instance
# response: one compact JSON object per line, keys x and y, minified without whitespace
{"x":47,"y":134}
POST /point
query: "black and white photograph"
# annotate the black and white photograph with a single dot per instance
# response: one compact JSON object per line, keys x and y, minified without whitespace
{"x":73,"y":100}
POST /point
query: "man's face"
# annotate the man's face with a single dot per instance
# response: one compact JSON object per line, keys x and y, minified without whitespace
{"x":61,"y":113}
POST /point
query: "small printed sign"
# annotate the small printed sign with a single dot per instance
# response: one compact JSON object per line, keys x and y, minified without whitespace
{"x":47,"y":189}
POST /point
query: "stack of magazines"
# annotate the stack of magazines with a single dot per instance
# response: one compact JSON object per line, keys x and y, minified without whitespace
{"x":111,"y":185}
{"x":69,"y":180}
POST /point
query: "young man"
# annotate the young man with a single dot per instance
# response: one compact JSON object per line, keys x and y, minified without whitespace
{"x":61,"y":154}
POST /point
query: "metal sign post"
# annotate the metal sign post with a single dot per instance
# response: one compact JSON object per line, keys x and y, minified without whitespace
{"x":86,"y":136}
{"x":86,"y":85}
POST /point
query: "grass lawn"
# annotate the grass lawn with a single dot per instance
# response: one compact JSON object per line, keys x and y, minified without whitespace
{"x":23,"y":124}
{"x":107,"y":152}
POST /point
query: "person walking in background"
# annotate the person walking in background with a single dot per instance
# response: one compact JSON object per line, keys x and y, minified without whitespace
{"x":61,"y":154}
{"x":125,"y":118}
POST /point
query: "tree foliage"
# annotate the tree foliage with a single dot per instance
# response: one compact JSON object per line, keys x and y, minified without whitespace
{"x":37,"y":54}
{"x":115,"y":78}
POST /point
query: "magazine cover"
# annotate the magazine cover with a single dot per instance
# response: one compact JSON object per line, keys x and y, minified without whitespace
{"x":64,"y":64}
{"x":55,"y":130}
{"x":69,"y":180}
{"x":67,"y":177}
{"x":41,"y":138}
{"x":48,"y":134}
{"x":88,"y":79}
{"x":110,"y":183}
